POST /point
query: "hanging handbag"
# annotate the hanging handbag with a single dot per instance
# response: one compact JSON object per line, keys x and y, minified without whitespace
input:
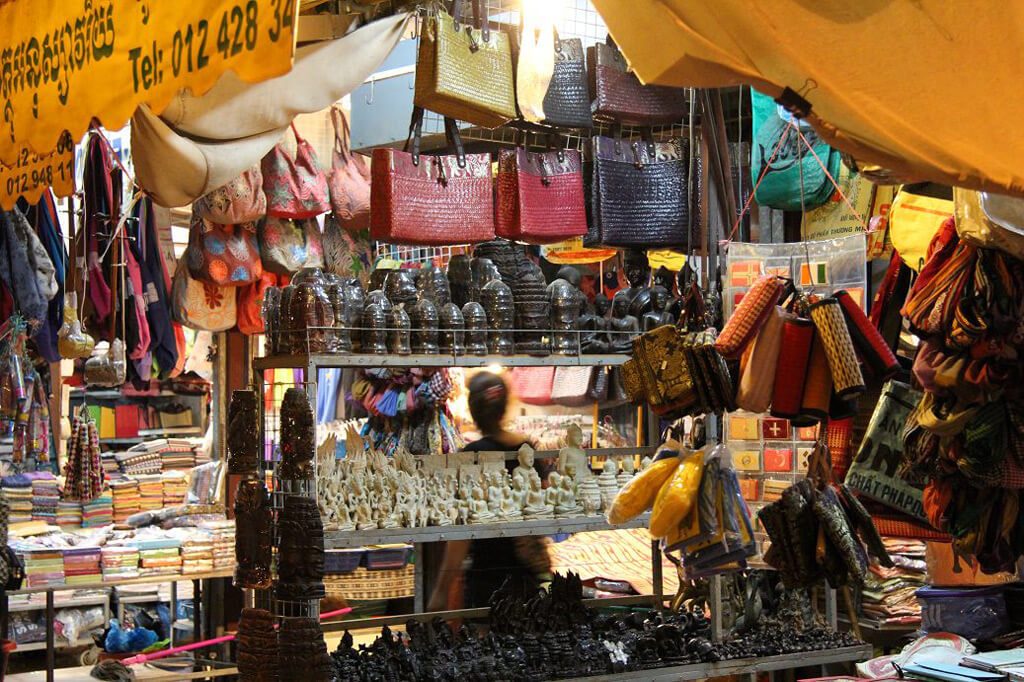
{"x":570,"y":386}
{"x":240,"y":201}
{"x":917,"y":214}
{"x":249,"y":304}
{"x":620,"y":97}
{"x":349,"y":179}
{"x":225,"y":255}
{"x":567,"y":101}
{"x":540,"y":196}
{"x":287,"y":246}
{"x":201,"y":305}
{"x":598,"y":389}
{"x":295,"y":188}
{"x":346,"y":254}
{"x":432,"y":200}
{"x":533,"y":385}
{"x":749,"y":316}
{"x":639,"y":194}
{"x":465,"y":72}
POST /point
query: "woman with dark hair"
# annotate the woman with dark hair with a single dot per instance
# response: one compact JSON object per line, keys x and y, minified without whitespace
{"x":492,"y":560}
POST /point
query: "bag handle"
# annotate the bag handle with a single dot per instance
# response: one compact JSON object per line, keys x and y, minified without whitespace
{"x":342,"y":133}
{"x":451,"y":131}
{"x":479,"y":22}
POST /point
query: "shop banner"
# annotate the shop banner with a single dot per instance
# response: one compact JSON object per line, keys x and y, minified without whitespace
{"x":68,"y":61}
{"x":572,"y":252}
{"x":875,"y":470}
{"x":32,"y":174}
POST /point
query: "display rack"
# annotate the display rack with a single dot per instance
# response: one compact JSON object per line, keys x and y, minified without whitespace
{"x":332,"y":361}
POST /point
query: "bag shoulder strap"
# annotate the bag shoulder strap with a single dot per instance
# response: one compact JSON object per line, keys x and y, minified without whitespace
{"x":342,"y":133}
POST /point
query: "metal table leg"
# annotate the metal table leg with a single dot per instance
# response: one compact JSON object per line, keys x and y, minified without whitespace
{"x":50,"y":651}
{"x":419,"y":599}
{"x":174,"y":608}
{"x":656,"y":576}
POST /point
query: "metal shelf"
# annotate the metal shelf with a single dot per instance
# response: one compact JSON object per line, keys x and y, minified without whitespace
{"x":740,"y":666}
{"x":148,"y":580}
{"x":58,"y":604}
{"x":337,"y":539}
{"x":39,"y":646}
{"x":327,"y":360}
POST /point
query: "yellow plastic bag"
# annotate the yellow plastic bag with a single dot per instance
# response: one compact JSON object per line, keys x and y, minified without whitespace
{"x":676,"y":498}
{"x":638,"y":495}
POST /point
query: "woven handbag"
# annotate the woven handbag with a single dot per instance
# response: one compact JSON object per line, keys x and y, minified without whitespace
{"x":201,"y":305}
{"x":240,"y":201}
{"x":287,"y":246}
{"x":295,"y":188}
{"x":225,"y":255}
{"x":570,"y":386}
{"x":618,"y":96}
{"x":433,"y":200}
{"x":567,"y":101}
{"x":465,"y":72}
{"x":540,"y":196}
{"x":348,"y":179}
{"x":639,"y":194}
{"x":533,"y":385}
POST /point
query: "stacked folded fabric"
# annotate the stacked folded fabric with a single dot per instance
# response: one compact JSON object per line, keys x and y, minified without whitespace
{"x":133,"y":462}
{"x":125,"y":492}
{"x":44,"y":566}
{"x":98,"y":512}
{"x":108,"y":461}
{"x":119,"y":562}
{"x":45,"y":497}
{"x":888,"y":594}
{"x":197,"y":553}
{"x":178,"y":454}
{"x":159,"y":556}
{"x":223,"y":542}
{"x":18,"y":491}
{"x":151,"y":492}
{"x":82,"y":565}
{"x":69,"y":514}
{"x":175,"y":486}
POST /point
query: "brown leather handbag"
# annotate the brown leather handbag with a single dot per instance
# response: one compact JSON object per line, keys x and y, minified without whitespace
{"x":349,"y":179}
{"x":619,"y":97}
{"x":433,"y":200}
{"x":465,"y":72}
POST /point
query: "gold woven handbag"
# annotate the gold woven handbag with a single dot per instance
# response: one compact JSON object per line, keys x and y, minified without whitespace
{"x":464,"y":72}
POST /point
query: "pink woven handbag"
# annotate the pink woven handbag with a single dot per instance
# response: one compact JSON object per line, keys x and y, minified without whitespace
{"x":348,"y":180}
{"x":295,"y":188}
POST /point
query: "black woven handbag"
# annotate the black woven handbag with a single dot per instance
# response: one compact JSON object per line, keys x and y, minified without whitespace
{"x":567,"y":101}
{"x":640,"y":193}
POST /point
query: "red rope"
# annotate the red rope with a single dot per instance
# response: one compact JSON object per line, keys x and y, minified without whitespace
{"x":832,"y":180}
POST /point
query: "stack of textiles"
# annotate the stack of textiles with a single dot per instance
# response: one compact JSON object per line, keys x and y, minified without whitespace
{"x":175,"y":486}
{"x":133,"y":462}
{"x":69,"y":514}
{"x":18,"y":491}
{"x":223,"y":542}
{"x":202,"y":455}
{"x":45,"y":497}
{"x":159,"y":556}
{"x":197,"y":552}
{"x":108,"y":462}
{"x":82,"y":565}
{"x":44,"y":566}
{"x":125,"y":496}
{"x":178,"y":454}
{"x":99,"y":512}
{"x":119,"y":562}
{"x":151,"y":492}
{"x":888,"y":593}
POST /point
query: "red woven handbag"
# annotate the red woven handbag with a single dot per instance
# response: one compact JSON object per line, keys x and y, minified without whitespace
{"x":295,"y":188}
{"x":434,"y":200}
{"x":540,"y":196}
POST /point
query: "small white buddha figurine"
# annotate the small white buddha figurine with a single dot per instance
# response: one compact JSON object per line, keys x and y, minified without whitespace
{"x":626,"y":475}
{"x":551,"y":492}
{"x":536,"y":506}
{"x":525,"y":460}
{"x":573,"y":453}
{"x":495,"y":492}
{"x":478,"y":511}
{"x":518,"y":492}
{"x":510,"y":509}
{"x":566,"y":504}
{"x":588,"y":494}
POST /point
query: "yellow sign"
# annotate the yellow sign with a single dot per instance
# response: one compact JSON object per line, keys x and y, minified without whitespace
{"x":65,"y":62}
{"x":572,"y":252}
{"x":673,"y":260}
{"x":32,"y":174}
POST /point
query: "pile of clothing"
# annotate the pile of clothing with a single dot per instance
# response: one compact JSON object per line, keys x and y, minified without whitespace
{"x":159,"y":556}
{"x":151,"y":492}
{"x":223,"y":535}
{"x":965,"y":439}
{"x":175,"y":486}
{"x":98,"y":512}
{"x":82,"y":565}
{"x":134,"y":462}
{"x":45,"y":497}
{"x":177,"y":453}
{"x":197,"y":552}
{"x":69,"y":514}
{"x":18,"y":491}
{"x":126,"y":501}
{"x":44,"y":566}
{"x":119,"y":562}
{"x":888,"y":594}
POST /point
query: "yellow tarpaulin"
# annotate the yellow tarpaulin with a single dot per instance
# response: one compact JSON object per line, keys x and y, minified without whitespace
{"x":64,"y":62}
{"x":928,"y":88}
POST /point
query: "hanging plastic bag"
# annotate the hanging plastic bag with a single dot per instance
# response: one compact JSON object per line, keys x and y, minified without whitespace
{"x":72,"y":342}
{"x":107,"y":366}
